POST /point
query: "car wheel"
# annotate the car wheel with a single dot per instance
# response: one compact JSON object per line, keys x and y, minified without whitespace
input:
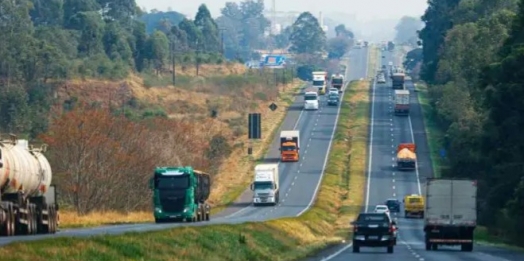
{"x":390,"y":249}
{"x":356,"y":249}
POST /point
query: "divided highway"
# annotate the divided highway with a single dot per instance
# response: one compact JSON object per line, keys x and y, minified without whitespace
{"x":299,"y":181}
{"x":384,"y":182}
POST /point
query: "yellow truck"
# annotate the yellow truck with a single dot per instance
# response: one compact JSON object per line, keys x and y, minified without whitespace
{"x":414,"y":205}
{"x":406,"y":156}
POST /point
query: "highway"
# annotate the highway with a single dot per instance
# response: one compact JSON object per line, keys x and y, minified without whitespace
{"x":384,"y":182}
{"x":299,"y":182}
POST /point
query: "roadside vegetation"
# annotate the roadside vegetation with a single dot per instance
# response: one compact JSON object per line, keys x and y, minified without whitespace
{"x":339,"y":200}
{"x":472,"y":99}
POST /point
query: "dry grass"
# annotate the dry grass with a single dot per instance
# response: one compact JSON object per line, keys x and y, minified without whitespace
{"x":339,"y":200}
{"x":212,"y":69}
{"x":71,"y":219}
{"x":234,"y":172}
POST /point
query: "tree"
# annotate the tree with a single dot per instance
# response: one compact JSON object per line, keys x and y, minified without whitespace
{"x":209,"y":29}
{"x":341,"y":30}
{"x":307,"y":37}
{"x":244,"y":26}
{"x":407,"y":30}
{"x":337,"y":47}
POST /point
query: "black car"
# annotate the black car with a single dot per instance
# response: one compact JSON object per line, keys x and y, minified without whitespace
{"x":333,"y":99}
{"x":374,"y":230}
{"x":393,"y":205}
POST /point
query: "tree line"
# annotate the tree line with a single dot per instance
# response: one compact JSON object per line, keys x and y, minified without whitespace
{"x":472,"y":59}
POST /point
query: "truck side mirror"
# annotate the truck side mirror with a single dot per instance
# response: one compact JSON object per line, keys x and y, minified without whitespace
{"x":152,"y":183}
{"x":252,"y":186}
{"x":353,"y":222}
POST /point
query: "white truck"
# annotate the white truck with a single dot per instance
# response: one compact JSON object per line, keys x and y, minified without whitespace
{"x":311,"y":99}
{"x":450,"y":213}
{"x":401,"y":102}
{"x":319,"y":81}
{"x":266,"y":186}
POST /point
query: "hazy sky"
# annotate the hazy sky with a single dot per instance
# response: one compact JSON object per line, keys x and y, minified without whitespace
{"x":364,"y":10}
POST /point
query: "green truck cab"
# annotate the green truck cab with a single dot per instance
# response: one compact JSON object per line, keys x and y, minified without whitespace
{"x":180,"y":194}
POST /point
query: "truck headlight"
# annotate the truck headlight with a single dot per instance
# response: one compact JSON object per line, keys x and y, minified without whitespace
{"x":186,"y":210}
{"x":157,"y":209}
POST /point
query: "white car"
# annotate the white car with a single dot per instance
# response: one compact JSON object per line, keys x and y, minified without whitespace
{"x":382,"y":209}
{"x":333,"y":90}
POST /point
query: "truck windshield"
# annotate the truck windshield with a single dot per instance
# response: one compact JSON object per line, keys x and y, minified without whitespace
{"x":263,"y":185}
{"x":337,"y":81}
{"x":289,"y":148}
{"x":318,"y":83}
{"x":310,"y":97}
{"x":172,"y":182}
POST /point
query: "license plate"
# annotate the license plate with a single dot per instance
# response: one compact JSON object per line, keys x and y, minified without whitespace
{"x":373,"y":237}
{"x":263,"y":200}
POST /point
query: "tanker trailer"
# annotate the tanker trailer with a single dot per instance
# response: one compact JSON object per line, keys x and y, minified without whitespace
{"x":27,"y":198}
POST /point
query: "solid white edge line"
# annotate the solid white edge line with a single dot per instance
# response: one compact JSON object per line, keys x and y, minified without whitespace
{"x":251,"y":206}
{"x":370,"y":147}
{"x":416,"y":163}
{"x":326,"y":158}
{"x":369,"y":160}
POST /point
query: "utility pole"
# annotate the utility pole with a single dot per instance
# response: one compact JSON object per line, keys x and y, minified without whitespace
{"x":173,"y":46}
{"x":222,"y":47}
{"x":197,"y":60}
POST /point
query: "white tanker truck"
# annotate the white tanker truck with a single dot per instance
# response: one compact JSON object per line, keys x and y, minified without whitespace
{"x":27,"y":198}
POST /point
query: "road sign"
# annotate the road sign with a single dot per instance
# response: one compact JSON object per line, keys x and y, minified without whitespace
{"x":274,"y":60}
{"x":273,"y":107}
{"x":255,"y":126}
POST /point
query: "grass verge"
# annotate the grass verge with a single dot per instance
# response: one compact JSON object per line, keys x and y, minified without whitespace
{"x":340,"y":198}
{"x":434,"y":133}
{"x":233,"y":180}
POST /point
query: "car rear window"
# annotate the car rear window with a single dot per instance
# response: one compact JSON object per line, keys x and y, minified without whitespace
{"x":373,"y":218}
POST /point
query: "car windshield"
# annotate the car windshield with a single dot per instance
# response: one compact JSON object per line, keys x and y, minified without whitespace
{"x":289,"y":148}
{"x":392,"y":202}
{"x":337,"y":81}
{"x":333,"y":96}
{"x":381,"y":208}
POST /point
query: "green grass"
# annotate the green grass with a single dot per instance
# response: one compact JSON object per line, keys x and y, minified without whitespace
{"x":340,"y":198}
{"x":434,"y":133}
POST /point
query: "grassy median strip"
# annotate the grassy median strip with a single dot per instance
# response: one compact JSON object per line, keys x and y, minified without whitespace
{"x":434,"y":132}
{"x":340,"y":198}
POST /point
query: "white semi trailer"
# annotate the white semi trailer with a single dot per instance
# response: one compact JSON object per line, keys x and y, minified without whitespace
{"x":27,"y":199}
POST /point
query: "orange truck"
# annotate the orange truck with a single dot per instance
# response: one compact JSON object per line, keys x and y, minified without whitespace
{"x":406,"y":156}
{"x":290,"y":145}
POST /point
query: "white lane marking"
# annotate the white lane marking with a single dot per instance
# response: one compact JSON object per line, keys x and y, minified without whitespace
{"x":370,"y":157}
{"x":325,"y":162}
{"x":248,"y":207}
{"x":338,"y":252}
{"x":416,"y":166}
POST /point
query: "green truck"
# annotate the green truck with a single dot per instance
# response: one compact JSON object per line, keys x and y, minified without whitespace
{"x":180,"y":194}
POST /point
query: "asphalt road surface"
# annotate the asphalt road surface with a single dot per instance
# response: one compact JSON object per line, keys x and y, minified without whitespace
{"x":384,"y":182}
{"x":299,"y":181}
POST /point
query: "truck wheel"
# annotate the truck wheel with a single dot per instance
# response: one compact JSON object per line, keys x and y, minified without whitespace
{"x":428,"y":246}
{"x":207,"y":217}
{"x":434,"y":247}
{"x":356,"y":248}
{"x":405,"y":214}
{"x":390,"y":249}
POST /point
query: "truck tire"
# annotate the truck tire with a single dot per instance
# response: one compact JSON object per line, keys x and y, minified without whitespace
{"x":390,"y":249}
{"x":405,"y":214}
{"x":468,"y":247}
{"x":356,"y":248}
{"x":428,"y":246}
{"x":207,"y":217}
{"x":434,"y":247}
